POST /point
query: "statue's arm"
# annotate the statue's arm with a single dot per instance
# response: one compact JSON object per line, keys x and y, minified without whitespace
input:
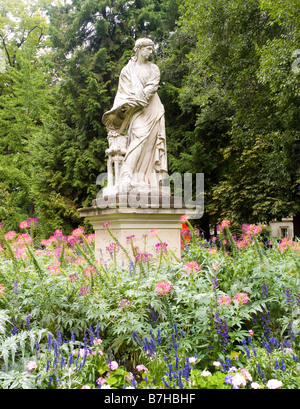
{"x":152,"y":84}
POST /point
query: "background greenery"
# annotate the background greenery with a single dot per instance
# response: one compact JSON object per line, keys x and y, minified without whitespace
{"x":55,"y":302}
{"x":229,"y":89}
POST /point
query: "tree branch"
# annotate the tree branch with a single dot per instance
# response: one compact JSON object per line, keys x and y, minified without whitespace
{"x":29,"y":32}
{"x":6,"y":51}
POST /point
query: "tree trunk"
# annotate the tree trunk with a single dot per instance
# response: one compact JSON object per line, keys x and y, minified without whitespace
{"x":204,"y":224}
{"x":296,"y":222}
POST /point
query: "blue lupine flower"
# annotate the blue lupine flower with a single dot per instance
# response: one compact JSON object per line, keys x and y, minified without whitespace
{"x":49,"y":342}
{"x":28,"y":317}
{"x":228,"y":379}
{"x":70,"y":361}
{"x":62,"y":362}
{"x":133,"y":382}
{"x":180,"y":384}
{"x":16,"y":289}
{"x":264,"y":290}
{"x":98,"y":329}
{"x":158,"y":339}
{"x":282,"y":365}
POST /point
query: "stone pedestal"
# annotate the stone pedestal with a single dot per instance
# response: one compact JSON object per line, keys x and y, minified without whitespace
{"x":138,"y":222}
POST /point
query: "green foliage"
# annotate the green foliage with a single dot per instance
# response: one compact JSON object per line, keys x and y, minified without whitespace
{"x":24,"y":88}
{"x":237,"y":84}
{"x":202,"y":321}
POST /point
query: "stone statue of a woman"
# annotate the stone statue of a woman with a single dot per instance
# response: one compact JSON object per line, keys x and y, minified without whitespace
{"x":138,"y":115}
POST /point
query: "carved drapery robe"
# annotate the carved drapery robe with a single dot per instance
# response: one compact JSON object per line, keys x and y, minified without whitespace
{"x":138,"y":112}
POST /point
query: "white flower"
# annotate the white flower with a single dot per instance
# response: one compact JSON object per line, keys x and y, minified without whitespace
{"x":192,"y":360}
{"x":97,"y":341}
{"x":217,"y":364}
{"x":31,"y":365}
{"x":205,"y":373}
{"x":232,"y":369}
{"x":255,"y":385}
{"x":274,"y":384}
{"x":105,"y":387}
{"x":238,"y":380}
{"x":246,"y":374}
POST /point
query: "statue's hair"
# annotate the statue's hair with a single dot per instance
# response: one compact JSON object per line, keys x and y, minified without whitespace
{"x":142,"y":42}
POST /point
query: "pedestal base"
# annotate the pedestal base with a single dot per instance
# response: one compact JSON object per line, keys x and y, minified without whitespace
{"x":138,"y":222}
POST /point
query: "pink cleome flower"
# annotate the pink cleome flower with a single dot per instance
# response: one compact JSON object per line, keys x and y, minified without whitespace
{"x":28,"y":223}
{"x":32,"y":222}
{"x":24,"y":238}
{"x":154,"y":232}
{"x":2,"y":290}
{"x":90,"y":238}
{"x":10,"y":235}
{"x":84,"y":290}
{"x":77,"y":232}
{"x":124,"y":303}
{"x":224,"y":300}
{"x":48,"y":242}
{"x":191,"y":267}
{"x":31,"y":366}
{"x":163,"y":288}
{"x":105,"y":225}
{"x":79,"y":261}
{"x":287,"y":243}
{"x":113,"y":248}
{"x":20,"y":252}
{"x":225,"y":224}
{"x":54,"y":270}
{"x":23,"y":225}
{"x":90,"y":270}
{"x":184,"y":218}
{"x":161,"y":247}
{"x":58,"y":235}
{"x":253,"y":230}
{"x":241,"y":298}
{"x":131,"y":238}
{"x":73,"y":277}
{"x":143,"y":258}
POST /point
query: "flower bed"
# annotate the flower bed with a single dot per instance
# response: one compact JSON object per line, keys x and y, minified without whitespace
{"x":226,"y":315}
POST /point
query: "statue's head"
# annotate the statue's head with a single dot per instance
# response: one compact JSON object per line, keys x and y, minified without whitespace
{"x":142,"y":42}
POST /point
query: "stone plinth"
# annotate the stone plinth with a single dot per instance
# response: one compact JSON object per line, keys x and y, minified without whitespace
{"x":125,"y":222}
